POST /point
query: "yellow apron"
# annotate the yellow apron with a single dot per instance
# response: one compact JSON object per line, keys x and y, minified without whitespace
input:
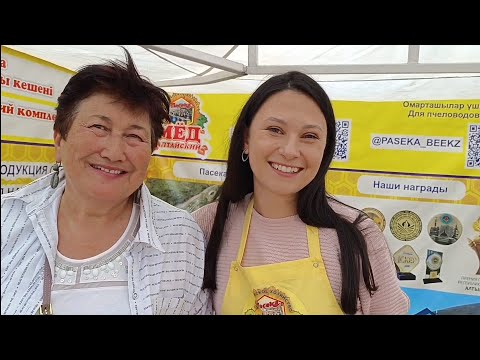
{"x":298,"y":287}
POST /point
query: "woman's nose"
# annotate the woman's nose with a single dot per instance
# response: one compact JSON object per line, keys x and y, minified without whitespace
{"x":114,"y":148}
{"x":289,"y":149}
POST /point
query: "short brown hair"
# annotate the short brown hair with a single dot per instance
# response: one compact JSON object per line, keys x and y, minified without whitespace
{"x":120,"y":80}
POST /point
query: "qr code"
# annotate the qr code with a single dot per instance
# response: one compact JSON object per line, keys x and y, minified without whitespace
{"x":473,"y":147}
{"x":342,"y":143}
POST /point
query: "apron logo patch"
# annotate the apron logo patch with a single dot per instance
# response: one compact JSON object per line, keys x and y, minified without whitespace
{"x":271,"y":301}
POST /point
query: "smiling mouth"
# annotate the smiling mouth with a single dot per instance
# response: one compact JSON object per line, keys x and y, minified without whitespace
{"x":285,"y":169}
{"x":108,"y":171}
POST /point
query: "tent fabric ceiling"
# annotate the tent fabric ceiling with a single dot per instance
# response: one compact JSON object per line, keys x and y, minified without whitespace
{"x":163,"y":65}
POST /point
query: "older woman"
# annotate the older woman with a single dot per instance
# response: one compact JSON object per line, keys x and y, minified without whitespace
{"x":89,"y":238}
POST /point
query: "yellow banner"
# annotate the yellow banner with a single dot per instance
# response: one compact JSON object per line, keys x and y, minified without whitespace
{"x":414,"y":168}
{"x":430,"y":137}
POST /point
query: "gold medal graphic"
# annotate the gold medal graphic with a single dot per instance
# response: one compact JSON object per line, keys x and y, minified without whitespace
{"x":405,"y":225}
{"x":376,"y":216}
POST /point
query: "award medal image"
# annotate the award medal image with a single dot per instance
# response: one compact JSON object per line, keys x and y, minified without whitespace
{"x":434,"y":263}
{"x":376,"y":216}
{"x":405,"y":225}
{"x":445,"y":229}
{"x":406,"y":259}
{"x":475,"y":242}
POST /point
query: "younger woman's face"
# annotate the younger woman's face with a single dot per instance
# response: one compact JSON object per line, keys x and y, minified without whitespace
{"x":286,"y":142}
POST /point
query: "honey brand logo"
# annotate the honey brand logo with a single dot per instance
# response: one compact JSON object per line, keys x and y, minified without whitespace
{"x":187,"y":132}
{"x":271,"y":301}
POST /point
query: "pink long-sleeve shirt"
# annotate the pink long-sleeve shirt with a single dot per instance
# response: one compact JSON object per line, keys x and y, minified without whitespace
{"x":278,"y":240}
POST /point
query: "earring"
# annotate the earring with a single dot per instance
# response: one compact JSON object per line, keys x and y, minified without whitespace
{"x":243,"y":156}
{"x":55,"y":177}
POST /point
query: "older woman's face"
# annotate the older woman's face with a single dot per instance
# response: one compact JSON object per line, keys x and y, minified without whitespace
{"x":107,"y":150}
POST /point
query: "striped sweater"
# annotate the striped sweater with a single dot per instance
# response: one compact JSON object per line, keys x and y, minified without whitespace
{"x":278,"y":240}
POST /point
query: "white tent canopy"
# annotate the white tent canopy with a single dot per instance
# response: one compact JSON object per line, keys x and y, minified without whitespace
{"x":347,"y":72}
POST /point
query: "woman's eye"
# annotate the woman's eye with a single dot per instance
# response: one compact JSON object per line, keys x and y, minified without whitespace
{"x":135,"y":136}
{"x":275,"y":130}
{"x":98,"y":126}
{"x":311,"y":136}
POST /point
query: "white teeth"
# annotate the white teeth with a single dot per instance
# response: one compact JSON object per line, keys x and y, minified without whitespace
{"x":285,"y":169}
{"x":116,"y":172}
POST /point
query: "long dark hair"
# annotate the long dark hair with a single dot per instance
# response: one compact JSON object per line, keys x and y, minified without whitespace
{"x":120,"y":80}
{"x":313,"y":202}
